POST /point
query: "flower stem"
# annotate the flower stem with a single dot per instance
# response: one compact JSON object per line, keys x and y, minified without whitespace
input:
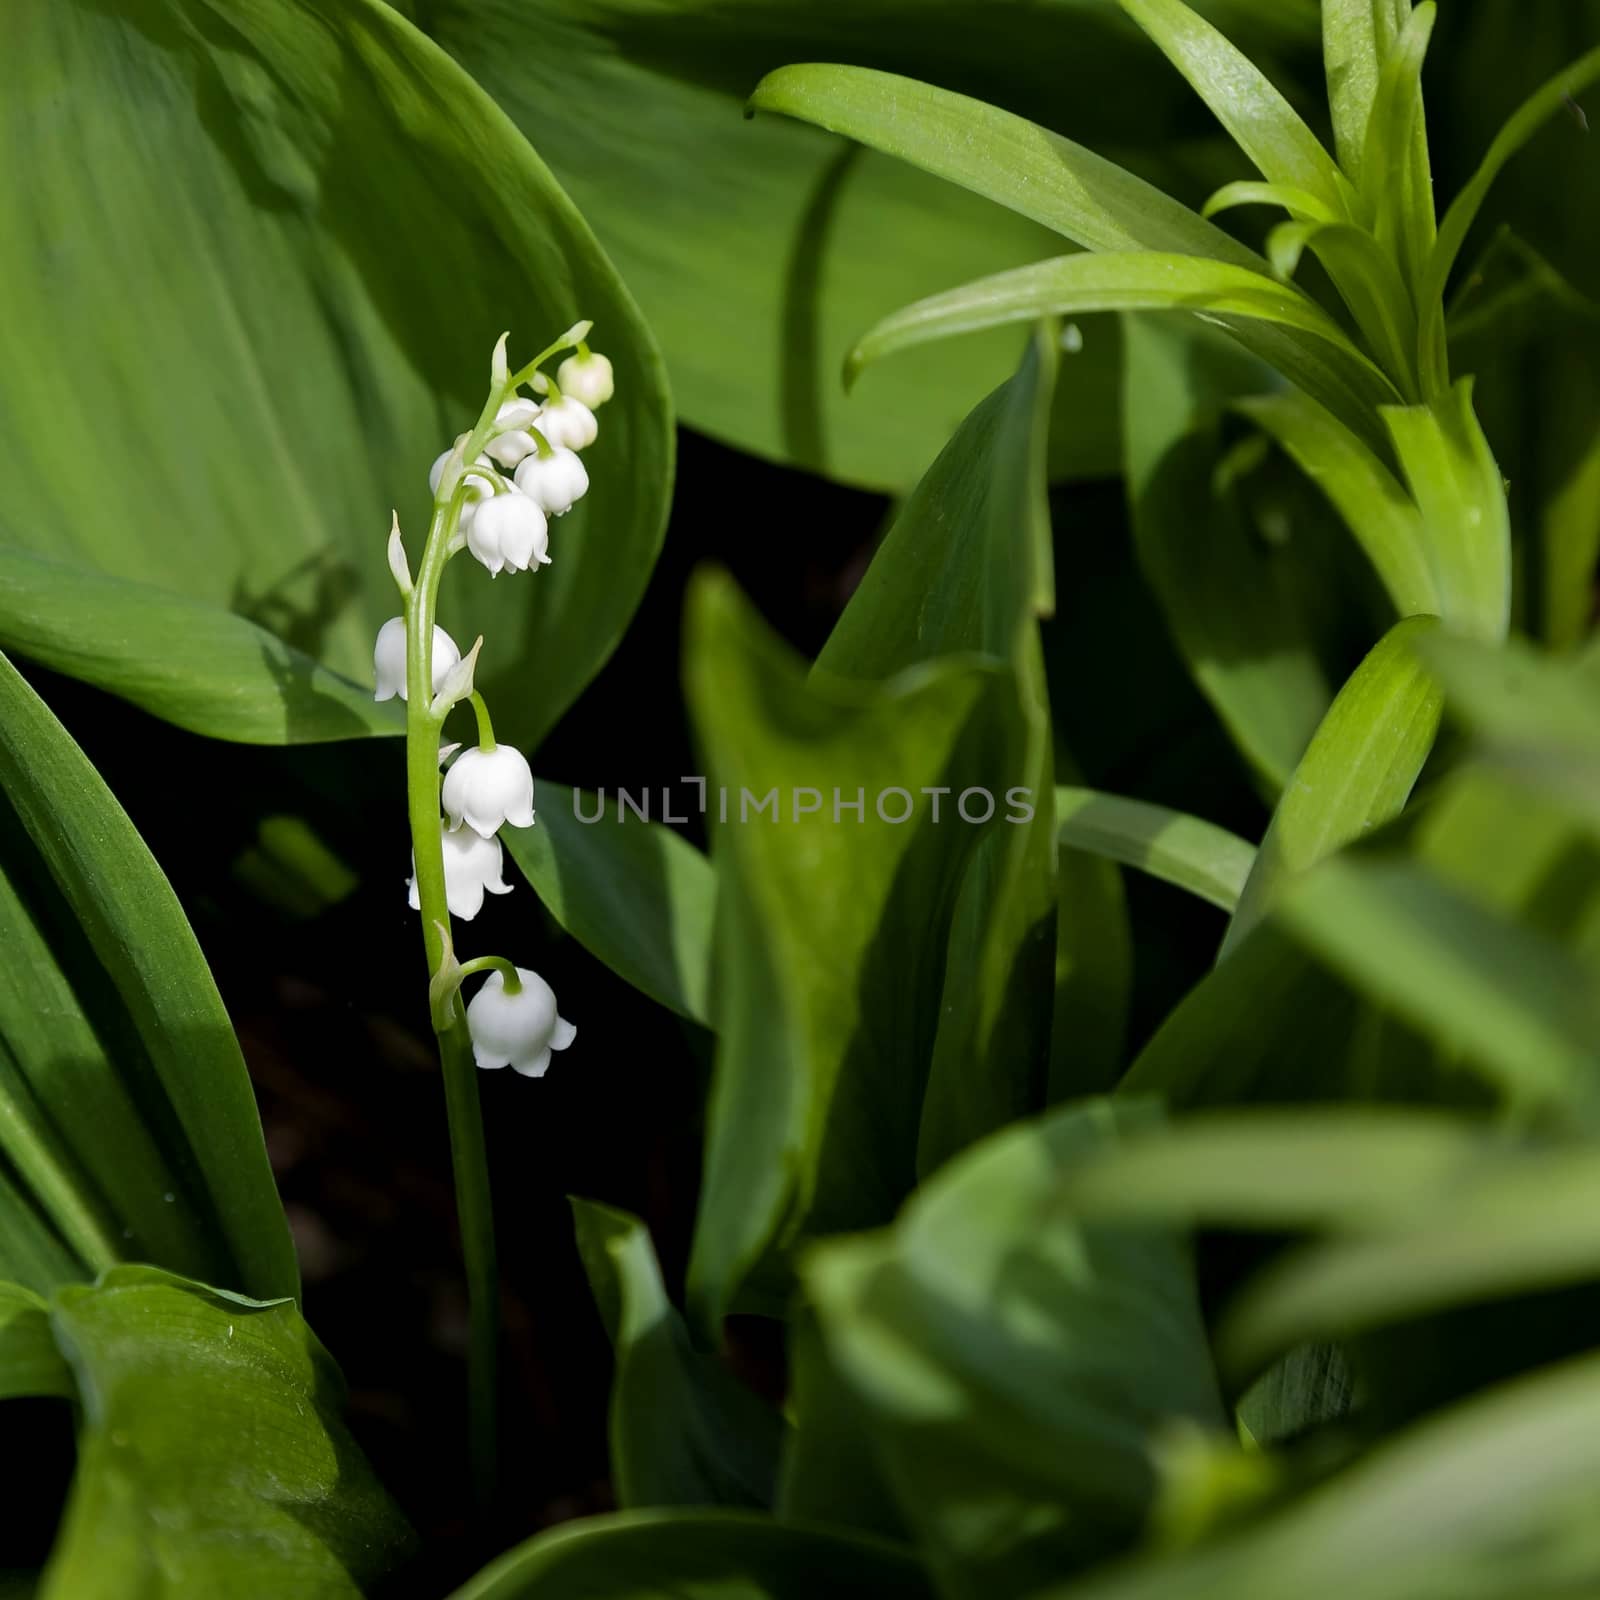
{"x":485,"y":727}
{"x":469,"y":1161}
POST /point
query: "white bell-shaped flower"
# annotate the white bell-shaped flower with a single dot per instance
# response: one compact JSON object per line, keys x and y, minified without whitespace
{"x":389,"y":659}
{"x":557,"y":481}
{"x":587,"y":377}
{"x":568,"y":421}
{"x":510,"y":447}
{"x":511,"y":531}
{"x":480,"y":485}
{"x":487,"y":788}
{"x":472,"y":864}
{"x":517,"y":1030}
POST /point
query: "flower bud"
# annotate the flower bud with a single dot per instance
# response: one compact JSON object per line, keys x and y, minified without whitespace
{"x":587,"y":378}
{"x":517,"y":1030}
{"x":511,"y":531}
{"x":472,"y":864}
{"x":569,"y":422}
{"x":514,"y":442}
{"x":556,"y":481}
{"x":389,"y":659}
{"x":486,"y":788}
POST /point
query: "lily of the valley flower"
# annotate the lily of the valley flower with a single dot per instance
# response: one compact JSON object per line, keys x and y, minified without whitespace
{"x":487,"y":788}
{"x":586,"y":377}
{"x":556,"y":481}
{"x":517,"y":1030}
{"x":480,"y":485}
{"x":515,"y":417}
{"x":472,"y":864}
{"x":568,"y":421}
{"x":389,"y":659}
{"x":510,"y":531}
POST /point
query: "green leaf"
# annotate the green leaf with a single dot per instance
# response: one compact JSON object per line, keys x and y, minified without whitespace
{"x":633,"y":893}
{"x":1356,"y":36}
{"x":1263,"y":124}
{"x":1516,"y":1228}
{"x":1534,"y":112}
{"x":1433,"y":1514}
{"x":1465,"y":520}
{"x":684,"y":1431}
{"x":1374,"y":505}
{"x":1396,"y":176}
{"x":30,"y":1364}
{"x":190,"y":663}
{"x":825,"y":1004}
{"x":155,"y":1101}
{"x":211,"y":1456}
{"x":1145,"y":281}
{"x":1510,"y":999}
{"x":1015,"y":1365}
{"x":1186,"y":851}
{"x":1083,"y":196}
{"x":698,"y":1555}
{"x":1232,"y":608}
{"x":1357,"y":774}
{"x":262,"y":351}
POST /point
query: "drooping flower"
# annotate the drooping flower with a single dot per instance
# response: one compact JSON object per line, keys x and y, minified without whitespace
{"x":517,"y":1030}
{"x":587,"y":377}
{"x":389,"y":659}
{"x":472,"y":864}
{"x":512,"y":445}
{"x":486,"y":788}
{"x":568,"y":421}
{"x":557,"y":481}
{"x":510,"y":531}
{"x":480,"y":485}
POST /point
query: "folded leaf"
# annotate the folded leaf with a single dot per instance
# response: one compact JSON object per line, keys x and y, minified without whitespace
{"x":30,"y":1364}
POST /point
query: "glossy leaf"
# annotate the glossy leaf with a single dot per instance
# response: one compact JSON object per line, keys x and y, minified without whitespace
{"x":30,"y":1364}
{"x":263,"y":350}
{"x":1356,"y":36}
{"x":698,"y":1555}
{"x":684,"y":1431}
{"x":825,"y":1005}
{"x":151,"y":1090}
{"x":1357,"y":774}
{"x":1396,"y":178}
{"x":212,"y":1458}
{"x":1263,"y":124}
{"x":188,"y":662}
{"x":1516,"y":1003}
{"x":1014,"y":1364}
{"x":633,"y":893}
{"x":1185,"y":851}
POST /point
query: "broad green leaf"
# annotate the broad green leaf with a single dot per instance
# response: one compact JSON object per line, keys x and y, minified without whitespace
{"x":1263,"y":124}
{"x":684,"y":1431}
{"x":212,"y":1459}
{"x":1508,"y":998}
{"x":825,"y":1003}
{"x":1355,"y":41}
{"x":1311,"y":1386}
{"x":142,"y":1074}
{"x":698,"y":1555}
{"x":973,"y":546}
{"x":1543,"y":104}
{"x":1231,"y":604}
{"x":1516,"y":1228}
{"x":1436,"y":1513}
{"x":1465,"y":520}
{"x":1186,"y":851}
{"x":633,"y":893}
{"x":1357,"y":773}
{"x":1088,"y":199}
{"x":1374,"y":505}
{"x":32,"y":1250}
{"x":1145,"y":280}
{"x":30,"y":1364}
{"x":1016,"y":1366}
{"x":261,"y":350}
{"x":188,"y":662}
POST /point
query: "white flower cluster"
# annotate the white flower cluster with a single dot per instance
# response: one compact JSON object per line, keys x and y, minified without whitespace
{"x":498,"y":506}
{"x":506,"y":520}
